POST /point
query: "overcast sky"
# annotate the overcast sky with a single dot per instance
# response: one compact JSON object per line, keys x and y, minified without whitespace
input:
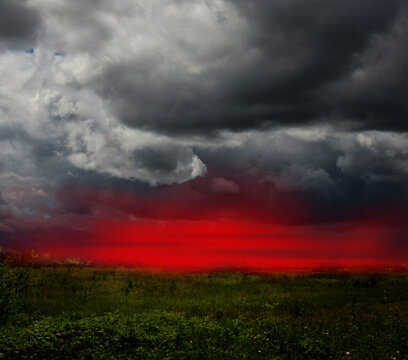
{"x":274,"y":102}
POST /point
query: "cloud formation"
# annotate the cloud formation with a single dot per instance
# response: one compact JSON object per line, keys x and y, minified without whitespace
{"x":305,"y":97}
{"x":20,"y":23}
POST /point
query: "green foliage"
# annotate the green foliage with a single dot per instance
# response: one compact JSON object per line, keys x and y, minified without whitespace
{"x":313,"y":347}
{"x":91,"y":313}
{"x":16,"y":289}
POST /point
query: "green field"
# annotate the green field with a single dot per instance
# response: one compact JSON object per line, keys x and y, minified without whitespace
{"x":96,"y":313}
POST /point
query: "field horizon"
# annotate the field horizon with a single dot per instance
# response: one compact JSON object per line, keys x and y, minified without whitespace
{"x":76,"y":310}
{"x":32,"y":258}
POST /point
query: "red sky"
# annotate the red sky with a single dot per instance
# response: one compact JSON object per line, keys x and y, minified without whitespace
{"x":189,"y":227}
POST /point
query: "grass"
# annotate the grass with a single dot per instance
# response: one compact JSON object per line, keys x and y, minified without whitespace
{"x":98,"y":313}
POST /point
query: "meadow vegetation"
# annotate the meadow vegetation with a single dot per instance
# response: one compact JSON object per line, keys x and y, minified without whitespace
{"x":75,"y":312}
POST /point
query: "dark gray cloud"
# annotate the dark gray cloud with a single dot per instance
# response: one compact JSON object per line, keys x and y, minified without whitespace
{"x":373,"y":92}
{"x":19,"y":23}
{"x":335,"y":170}
{"x":304,"y":45}
{"x":290,"y":66}
{"x":2,"y":201}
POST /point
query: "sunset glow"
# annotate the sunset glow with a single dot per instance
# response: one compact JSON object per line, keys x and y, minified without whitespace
{"x":221,"y":237}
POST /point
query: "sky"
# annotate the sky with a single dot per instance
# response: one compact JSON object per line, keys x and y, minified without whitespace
{"x":214,"y":133}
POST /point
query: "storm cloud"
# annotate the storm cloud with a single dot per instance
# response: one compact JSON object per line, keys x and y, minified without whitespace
{"x":305,"y":97}
{"x":19,"y":23}
{"x":264,"y":63}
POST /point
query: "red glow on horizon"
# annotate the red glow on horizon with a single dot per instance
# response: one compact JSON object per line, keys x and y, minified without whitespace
{"x":211,"y":244}
{"x":183,"y":230}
